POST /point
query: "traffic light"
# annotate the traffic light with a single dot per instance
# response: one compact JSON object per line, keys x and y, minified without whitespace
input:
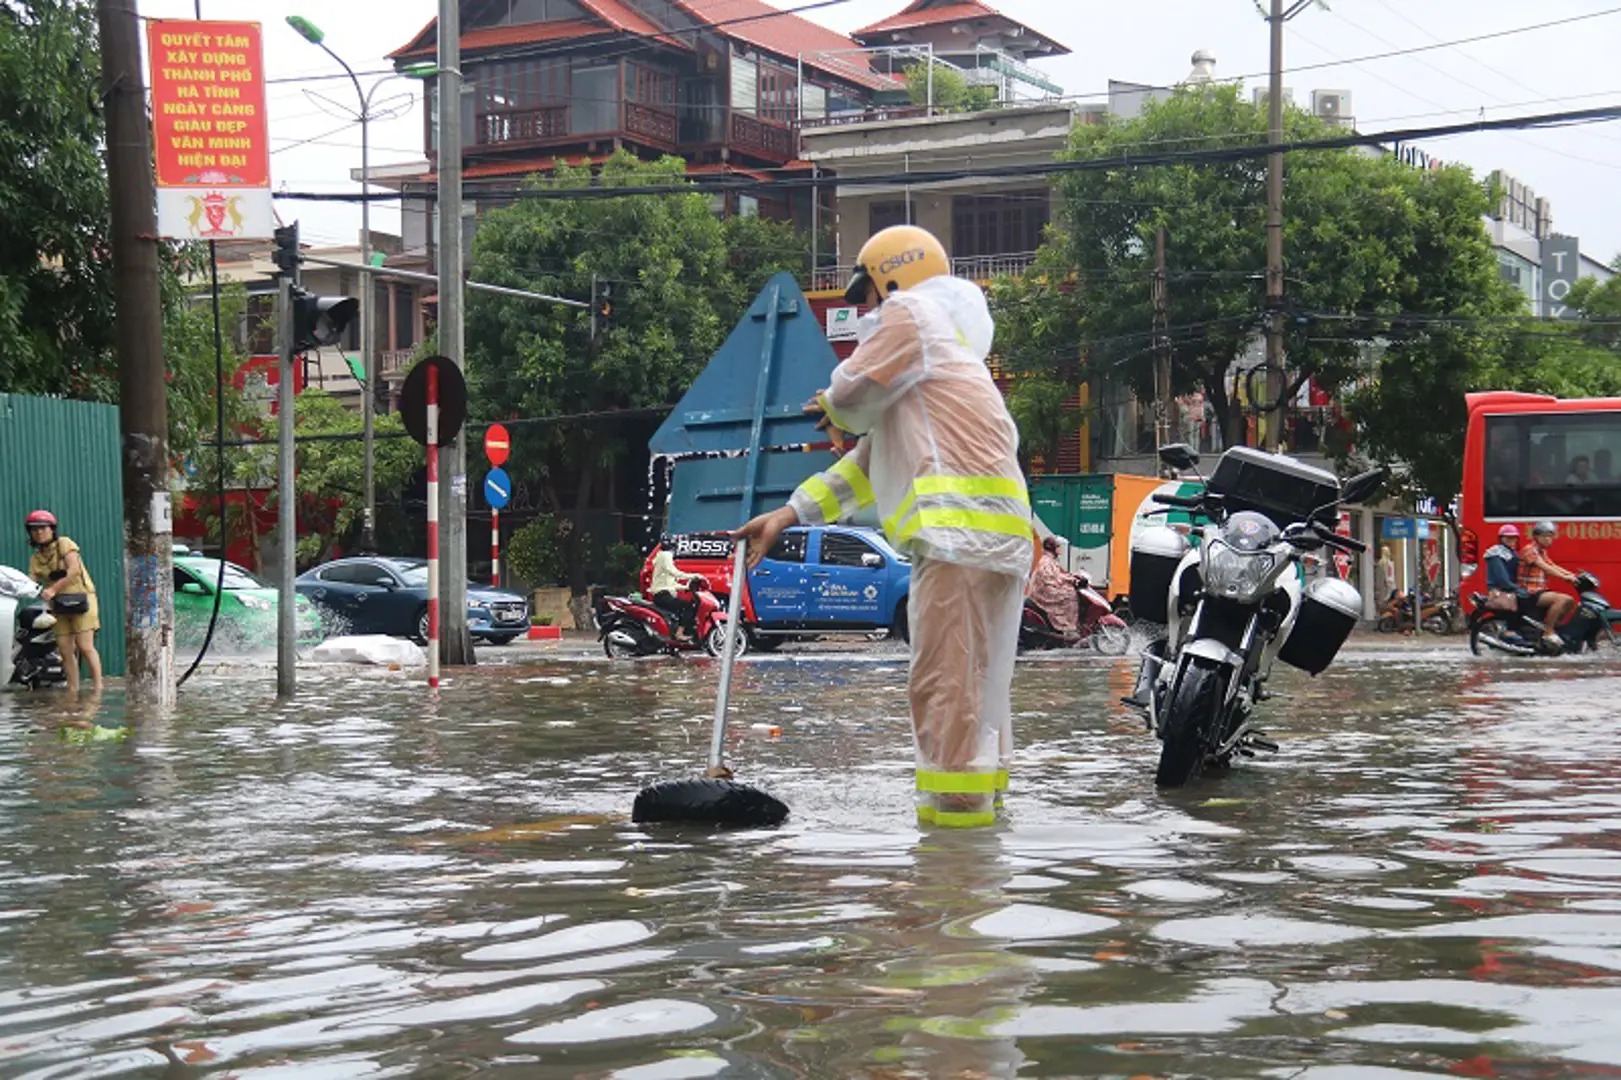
{"x":602,"y":305}
{"x":286,"y":255}
{"x":321,"y":320}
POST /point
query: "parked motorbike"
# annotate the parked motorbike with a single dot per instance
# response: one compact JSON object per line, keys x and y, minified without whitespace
{"x":631,"y":626}
{"x":1588,"y":628}
{"x":31,"y":659}
{"x":1100,"y":628}
{"x":1236,"y":603}
{"x":1439,"y":617}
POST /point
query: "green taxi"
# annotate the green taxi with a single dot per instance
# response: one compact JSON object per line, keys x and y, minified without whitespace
{"x":247,"y":616}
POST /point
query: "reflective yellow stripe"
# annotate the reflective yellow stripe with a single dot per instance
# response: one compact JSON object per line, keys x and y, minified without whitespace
{"x":950,"y":819}
{"x":848,"y":471}
{"x":960,"y":783}
{"x":973,"y":520}
{"x":817,"y":489}
{"x":1001,"y":487}
{"x":827,"y":407}
{"x":1001,"y":780}
{"x":1004,"y":486}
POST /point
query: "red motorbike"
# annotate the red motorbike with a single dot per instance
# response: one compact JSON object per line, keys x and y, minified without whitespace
{"x":630,"y":626}
{"x":1099,"y":627}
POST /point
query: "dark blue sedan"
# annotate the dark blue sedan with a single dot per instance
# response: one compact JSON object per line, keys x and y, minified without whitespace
{"x":382,"y":595}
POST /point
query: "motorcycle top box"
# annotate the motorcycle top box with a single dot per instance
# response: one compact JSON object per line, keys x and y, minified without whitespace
{"x":1328,"y":612}
{"x":1155,"y":554}
{"x":1280,"y":487}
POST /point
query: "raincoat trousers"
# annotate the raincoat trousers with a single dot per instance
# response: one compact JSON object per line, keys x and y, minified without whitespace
{"x":938,"y":455}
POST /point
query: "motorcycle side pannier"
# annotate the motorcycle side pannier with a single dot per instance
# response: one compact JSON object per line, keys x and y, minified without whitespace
{"x":1155,"y":555}
{"x":1328,"y":612}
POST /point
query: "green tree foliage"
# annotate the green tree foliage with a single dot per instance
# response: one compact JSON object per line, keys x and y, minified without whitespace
{"x":1040,"y":407}
{"x":56,"y":288}
{"x":951,"y":90}
{"x":682,"y":277}
{"x":535,"y":552}
{"x":330,"y":478}
{"x":1365,"y":238}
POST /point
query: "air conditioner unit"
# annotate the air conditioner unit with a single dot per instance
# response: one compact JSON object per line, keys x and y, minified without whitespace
{"x":1332,"y":105}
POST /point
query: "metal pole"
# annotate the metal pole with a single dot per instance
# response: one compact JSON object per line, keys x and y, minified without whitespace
{"x":143,"y":410}
{"x":286,"y":498}
{"x":1274,"y":234}
{"x":433,"y":279}
{"x":1162,"y":344}
{"x":433,"y":526}
{"x":368,"y":339}
{"x":495,"y":548}
{"x":458,"y":647}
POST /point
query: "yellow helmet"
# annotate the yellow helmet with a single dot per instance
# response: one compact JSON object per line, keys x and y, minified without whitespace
{"x":896,"y":258}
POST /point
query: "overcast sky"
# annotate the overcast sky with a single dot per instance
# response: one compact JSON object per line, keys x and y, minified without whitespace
{"x":1151,"y":41}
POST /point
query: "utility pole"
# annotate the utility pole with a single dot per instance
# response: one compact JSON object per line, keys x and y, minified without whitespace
{"x":456,"y":647}
{"x":1163,"y":403}
{"x":1274,"y":234}
{"x":286,"y":498}
{"x":1276,"y":382}
{"x":143,"y":410}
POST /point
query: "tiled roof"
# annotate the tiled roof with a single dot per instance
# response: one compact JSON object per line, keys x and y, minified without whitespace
{"x":611,"y":16}
{"x":920,"y":13}
{"x":789,"y":36}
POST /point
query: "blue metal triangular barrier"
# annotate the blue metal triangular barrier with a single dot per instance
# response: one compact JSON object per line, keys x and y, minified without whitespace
{"x":749,"y":402}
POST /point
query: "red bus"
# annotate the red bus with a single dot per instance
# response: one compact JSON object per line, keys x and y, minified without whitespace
{"x":1529,"y":458}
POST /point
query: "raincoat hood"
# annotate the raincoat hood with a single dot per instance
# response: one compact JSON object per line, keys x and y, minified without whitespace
{"x":966,"y":308}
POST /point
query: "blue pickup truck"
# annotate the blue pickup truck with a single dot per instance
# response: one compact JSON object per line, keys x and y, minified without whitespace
{"x":817,"y":581}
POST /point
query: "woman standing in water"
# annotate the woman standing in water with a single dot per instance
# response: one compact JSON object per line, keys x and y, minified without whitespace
{"x":57,"y":565}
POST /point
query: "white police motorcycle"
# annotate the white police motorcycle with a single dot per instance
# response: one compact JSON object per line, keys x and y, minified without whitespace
{"x":31,"y":659}
{"x":1234,"y":603}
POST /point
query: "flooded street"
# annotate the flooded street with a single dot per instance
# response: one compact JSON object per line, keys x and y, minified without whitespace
{"x":1426,"y":880}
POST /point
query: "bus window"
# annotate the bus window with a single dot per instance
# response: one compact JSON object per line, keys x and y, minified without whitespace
{"x":1552,"y":465}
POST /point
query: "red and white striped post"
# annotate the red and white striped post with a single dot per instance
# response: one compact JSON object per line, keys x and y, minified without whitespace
{"x":433,"y":526}
{"x":495,"y":549}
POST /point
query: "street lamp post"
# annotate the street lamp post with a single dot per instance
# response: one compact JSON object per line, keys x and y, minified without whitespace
{"x":368,"y":358}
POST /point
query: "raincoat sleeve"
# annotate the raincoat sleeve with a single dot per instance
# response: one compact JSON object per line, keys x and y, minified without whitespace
{"x":835,"y":493}
{"x":882,"y":368}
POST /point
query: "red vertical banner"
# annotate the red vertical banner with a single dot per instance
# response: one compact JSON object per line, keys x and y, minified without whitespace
{"x":210,"y":129}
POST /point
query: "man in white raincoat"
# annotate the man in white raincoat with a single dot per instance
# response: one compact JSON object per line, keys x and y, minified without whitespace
{"x":938,"y":454}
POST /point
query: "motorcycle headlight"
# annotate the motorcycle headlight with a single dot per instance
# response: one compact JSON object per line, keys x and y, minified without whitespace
{"x":1236,"y":575}
{"x":257,"y":603}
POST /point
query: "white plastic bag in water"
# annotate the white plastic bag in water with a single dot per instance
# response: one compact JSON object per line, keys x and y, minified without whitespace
{"x":368,"y":649}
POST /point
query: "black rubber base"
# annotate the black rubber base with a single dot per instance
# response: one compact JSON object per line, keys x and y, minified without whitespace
{"x":706,"y":802}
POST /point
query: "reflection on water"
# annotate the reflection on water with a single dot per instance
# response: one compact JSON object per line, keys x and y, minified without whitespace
{"x":1426,"y":881}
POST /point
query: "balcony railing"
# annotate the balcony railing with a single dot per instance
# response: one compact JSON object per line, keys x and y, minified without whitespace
{"x":865,"y":116}
{"x":523,"y":125}
{"x":394,"y":361}
{"x":972,"y":267}
{"x":761,"y":138}
{"x":651,"y":123}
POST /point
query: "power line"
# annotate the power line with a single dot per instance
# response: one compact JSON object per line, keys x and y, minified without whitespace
{"x":1217,"y":155}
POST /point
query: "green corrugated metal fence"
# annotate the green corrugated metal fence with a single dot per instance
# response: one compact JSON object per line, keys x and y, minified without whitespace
{"x":62,"y":456}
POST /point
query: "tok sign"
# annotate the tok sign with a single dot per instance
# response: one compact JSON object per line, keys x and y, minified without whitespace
{"x":497,"y":444}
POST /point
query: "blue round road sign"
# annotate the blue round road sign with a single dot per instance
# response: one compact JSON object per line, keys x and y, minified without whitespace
{"x":497,"y":488}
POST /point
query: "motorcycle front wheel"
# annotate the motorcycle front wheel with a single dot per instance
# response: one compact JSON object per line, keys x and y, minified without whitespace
{"x":715,"y":641}
{"x":1191,"y":717}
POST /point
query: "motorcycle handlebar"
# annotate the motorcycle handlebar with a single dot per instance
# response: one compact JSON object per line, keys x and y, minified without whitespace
{"x":1187,"y":502}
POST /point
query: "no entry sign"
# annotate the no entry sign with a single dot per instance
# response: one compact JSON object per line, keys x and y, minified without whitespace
{"x":497,"y":444}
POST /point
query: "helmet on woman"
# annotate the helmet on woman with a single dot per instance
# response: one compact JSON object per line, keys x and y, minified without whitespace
{"x":1509,"y":532}
{"x":1544,"y":528}
{"x":38,"y":518}
{"x":898,"y":257}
